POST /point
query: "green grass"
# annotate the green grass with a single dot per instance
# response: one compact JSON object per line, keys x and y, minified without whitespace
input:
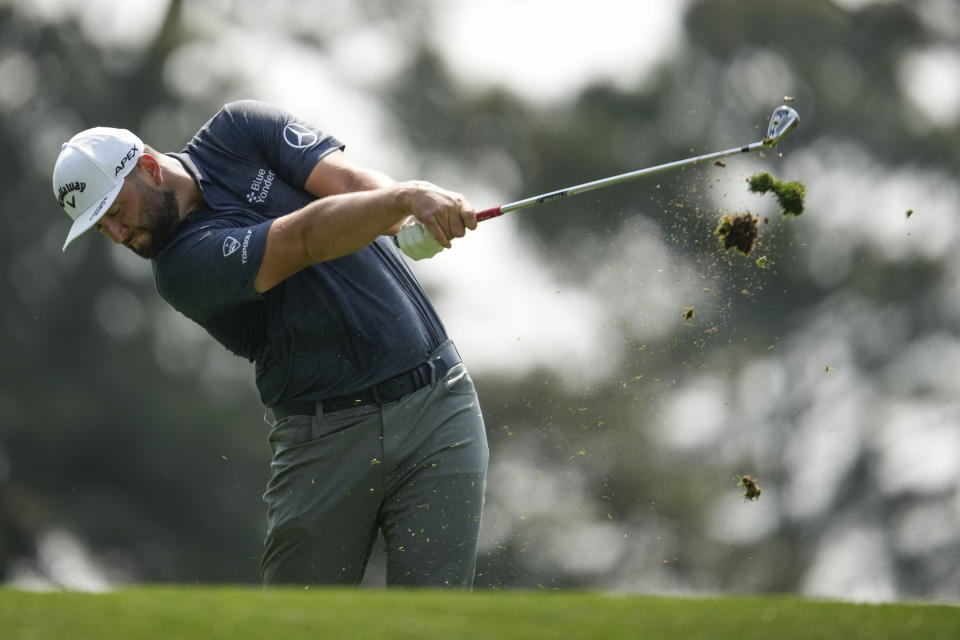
{"x":187,"y":613}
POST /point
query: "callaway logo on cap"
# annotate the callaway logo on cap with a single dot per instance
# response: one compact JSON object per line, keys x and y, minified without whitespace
{"x":89,"y":174}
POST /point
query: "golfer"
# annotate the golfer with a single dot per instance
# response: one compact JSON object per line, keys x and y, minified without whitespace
{"x":265,"y":234}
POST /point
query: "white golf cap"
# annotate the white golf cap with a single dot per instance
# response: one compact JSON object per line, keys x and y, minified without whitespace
{"x":89,"y":174}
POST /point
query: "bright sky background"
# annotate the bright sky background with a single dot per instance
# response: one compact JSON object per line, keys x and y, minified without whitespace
{"x":545,"y":49}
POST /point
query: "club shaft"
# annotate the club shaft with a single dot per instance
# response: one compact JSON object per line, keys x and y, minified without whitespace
{"x":606,"y":182}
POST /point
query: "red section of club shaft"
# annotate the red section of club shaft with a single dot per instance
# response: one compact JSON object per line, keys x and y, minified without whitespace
{"x":486,"y":214}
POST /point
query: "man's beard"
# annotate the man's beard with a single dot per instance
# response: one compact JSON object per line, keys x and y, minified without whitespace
{"x":159,"y":219}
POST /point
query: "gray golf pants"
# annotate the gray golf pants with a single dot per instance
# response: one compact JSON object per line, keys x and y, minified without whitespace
{"x":414,"y":469}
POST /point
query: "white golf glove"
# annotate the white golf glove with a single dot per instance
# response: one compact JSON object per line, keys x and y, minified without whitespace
{"x":415,"y":241}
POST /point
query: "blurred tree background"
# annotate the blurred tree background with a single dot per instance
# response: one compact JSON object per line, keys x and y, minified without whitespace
{"x":131,"y":446}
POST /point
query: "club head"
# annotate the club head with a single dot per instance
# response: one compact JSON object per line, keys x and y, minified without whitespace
{"x":784,"y":120}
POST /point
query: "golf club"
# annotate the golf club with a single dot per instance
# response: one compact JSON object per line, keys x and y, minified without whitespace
{"x":418,"y":243}
{"x":784,"y":120}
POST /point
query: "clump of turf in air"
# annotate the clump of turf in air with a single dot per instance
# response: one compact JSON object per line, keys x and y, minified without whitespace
{"x":738,"y":231}
{"x":751,"y":490}
{"x":790,"y":195}
{"x":761,"y":182}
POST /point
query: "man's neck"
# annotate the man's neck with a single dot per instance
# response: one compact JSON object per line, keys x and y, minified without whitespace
{"x":182,"y":184}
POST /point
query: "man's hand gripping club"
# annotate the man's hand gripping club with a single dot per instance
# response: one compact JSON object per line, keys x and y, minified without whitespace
{"x":437,"y":217}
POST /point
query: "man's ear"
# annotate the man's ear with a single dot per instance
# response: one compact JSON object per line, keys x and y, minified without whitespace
{"x":149,"y":170}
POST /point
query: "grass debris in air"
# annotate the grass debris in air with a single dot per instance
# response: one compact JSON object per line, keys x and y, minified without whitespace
{"x":738,"y":231}
{"x":790,"y":195}
{"x":751,"y":490}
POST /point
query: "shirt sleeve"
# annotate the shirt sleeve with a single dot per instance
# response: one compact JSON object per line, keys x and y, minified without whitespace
{"x":211,"y":270}
{"x":290,"y":146}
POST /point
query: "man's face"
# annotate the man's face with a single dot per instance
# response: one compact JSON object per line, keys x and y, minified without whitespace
{"x":142,"y":218}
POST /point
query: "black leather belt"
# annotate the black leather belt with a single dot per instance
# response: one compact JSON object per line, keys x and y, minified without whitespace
{"x":387,"y":391}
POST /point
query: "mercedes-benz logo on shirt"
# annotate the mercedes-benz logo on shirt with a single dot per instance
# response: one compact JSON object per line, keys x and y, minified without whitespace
{"x":298,"y":136}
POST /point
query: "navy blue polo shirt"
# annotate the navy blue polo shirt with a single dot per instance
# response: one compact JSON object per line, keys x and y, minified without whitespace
{"x":333,"y":328}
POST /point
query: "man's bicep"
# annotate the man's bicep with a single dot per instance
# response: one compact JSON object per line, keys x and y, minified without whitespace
{"x":334,"y":173}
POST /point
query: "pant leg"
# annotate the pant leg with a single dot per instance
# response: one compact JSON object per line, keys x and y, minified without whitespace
{"x":436,"y":453}
{"x":323,"y":497}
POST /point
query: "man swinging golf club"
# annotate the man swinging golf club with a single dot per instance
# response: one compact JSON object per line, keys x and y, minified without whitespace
{"x":264,"y":233}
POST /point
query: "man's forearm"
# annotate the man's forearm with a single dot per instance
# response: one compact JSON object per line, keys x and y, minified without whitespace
{"x":335,"y":174}
{"x":325,"y":229}
{"x":338,"y":225}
